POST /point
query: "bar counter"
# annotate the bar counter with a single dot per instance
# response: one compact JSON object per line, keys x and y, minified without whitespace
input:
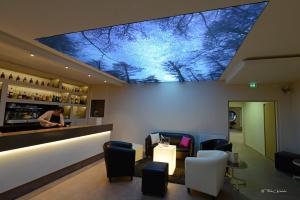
{"x":31,"y":159}
{"x":20,"y":139}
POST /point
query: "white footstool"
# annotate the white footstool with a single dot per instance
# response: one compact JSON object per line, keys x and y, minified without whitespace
{"x":139,"y":151}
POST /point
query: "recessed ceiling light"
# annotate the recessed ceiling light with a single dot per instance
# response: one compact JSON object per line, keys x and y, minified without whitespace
{"x":31,"y":54}
{"x":89,"y":75}
{"x":66,"y":67}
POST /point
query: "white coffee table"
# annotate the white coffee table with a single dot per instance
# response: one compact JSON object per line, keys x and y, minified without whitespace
{"x":167,"y":154}
{"x":139,"y":151}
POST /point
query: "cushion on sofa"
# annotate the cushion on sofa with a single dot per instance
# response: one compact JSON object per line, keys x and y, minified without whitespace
{"x":185,"y":142}
{"x":155,"y":138}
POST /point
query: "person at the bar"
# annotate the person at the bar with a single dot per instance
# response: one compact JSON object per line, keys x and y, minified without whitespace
{"x":52,"y":118}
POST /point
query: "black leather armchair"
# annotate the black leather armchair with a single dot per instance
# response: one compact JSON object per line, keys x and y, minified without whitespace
{"x":216,"y":144}
{"x":284,"y":162}
{"x":175,"y":139}
{"x":119,"y":159}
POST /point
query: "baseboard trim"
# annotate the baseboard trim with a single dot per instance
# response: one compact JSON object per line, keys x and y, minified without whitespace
{"x":35,"y":184}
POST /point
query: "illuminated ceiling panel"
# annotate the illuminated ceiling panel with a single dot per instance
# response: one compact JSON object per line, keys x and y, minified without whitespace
{"x":190,"y":47}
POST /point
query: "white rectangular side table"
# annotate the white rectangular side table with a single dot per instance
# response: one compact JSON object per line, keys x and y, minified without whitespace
{"x":139,"y":151}
{"x":167,"y":154}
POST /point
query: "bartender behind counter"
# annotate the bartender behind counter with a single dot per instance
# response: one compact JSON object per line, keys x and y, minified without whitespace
{"x":52,"y":118}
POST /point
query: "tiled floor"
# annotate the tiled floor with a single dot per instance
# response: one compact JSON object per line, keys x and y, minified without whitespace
{"x":91,"y":183}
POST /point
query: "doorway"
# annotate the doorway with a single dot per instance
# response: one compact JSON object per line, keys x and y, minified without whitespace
{"x":253,"y":124}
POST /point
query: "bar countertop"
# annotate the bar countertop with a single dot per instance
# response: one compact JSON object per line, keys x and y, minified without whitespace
{"x":41,"y":130}
{"x":20,"y":139}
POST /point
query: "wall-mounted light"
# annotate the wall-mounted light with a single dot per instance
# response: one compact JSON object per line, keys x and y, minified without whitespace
{"x":32,"y":55}
{"x":66,"y":67}
{"x":89,"y":75}
{"x":252,"y":85}
{"x":105,"y":81}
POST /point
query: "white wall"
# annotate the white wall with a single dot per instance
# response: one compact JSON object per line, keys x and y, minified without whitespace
{"x":253,"y":125}
{"x":136,"y":110}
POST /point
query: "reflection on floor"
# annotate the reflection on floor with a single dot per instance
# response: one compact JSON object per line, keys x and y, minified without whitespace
{"x":91,"y":183}
{"x":261,"y":174}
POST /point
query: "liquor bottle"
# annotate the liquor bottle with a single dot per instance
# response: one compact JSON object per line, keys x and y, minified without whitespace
{"x":77,"y":101}
{"x":31,"y":81}
{"x":10,"y":93}
{"x":19,"y":95}
{"x":43,"y":83}
{"x":18,"y":78}
{"x":25,"y":80}
{"x":10,"y":77}
{"x":2,"y":75}
{"x":32,"y":96}
{"x":48,"y":84}
{"x":37,"y":82}
{"x":24,"y":95}
{"x":36,"y":97}
{"x":48,"y":98}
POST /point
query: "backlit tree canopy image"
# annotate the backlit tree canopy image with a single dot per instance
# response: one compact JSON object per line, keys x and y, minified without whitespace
{"x":190,"y":47}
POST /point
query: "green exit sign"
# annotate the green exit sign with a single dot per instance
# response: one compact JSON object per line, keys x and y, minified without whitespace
{"x":253,"y":85}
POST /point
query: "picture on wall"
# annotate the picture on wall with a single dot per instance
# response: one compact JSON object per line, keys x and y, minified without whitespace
{"x":97,"y":108}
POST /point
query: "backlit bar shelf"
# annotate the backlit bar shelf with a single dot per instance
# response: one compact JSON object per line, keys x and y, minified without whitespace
{"x":16,"y":87}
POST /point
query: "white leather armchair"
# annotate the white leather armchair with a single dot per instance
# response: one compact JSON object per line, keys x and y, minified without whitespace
{"x":205,"y":173}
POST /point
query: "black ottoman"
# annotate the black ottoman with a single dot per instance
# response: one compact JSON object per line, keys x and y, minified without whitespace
{"x":155,"y":178}
{"x":284,"y":161}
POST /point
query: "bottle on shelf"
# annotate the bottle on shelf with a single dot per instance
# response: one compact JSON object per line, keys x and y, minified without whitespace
{"x":48,"y":98}
{"x":77,"y":100}
{"x":15,"y":95}
{"x":24,"y":95}
{"x":31,"y":81}
{"x":10,"y":93}
{"x":53,"y":98}
{"x":10,"y":77}
{"x":72,"y":100}
{"x":43,"y":83}
{"x":2,"y":75}
{"x":19,"y":95}
{"x":36,"y":97}
{"x":37,"y":82}
{"x":32,"y":96}
{"x":18,"y":78}
{"x":25,"y":80}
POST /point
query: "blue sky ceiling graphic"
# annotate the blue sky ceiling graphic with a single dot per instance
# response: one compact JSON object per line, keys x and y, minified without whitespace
{"x":189,"y":47}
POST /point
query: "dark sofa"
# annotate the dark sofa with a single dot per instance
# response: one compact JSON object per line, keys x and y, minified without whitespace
{"x":216,"y":144}
{"x":175,"y":139}
{"x":119,"y":159}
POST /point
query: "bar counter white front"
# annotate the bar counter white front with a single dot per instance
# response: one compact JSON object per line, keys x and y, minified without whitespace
{"x":23,"y":165}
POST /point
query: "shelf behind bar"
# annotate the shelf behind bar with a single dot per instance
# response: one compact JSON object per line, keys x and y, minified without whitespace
{"x":11,"y":100}
{"x":39,"y":87}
